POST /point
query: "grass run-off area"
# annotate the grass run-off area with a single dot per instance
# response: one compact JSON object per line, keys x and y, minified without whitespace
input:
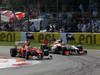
{"x":90,"y":47}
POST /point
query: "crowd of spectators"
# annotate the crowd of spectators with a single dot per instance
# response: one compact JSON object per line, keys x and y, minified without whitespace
{"x":55,"y":22}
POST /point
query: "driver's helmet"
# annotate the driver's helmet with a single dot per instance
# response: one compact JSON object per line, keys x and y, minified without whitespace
{"x":63,"y":43}
{"x":45,"y":42}
{"x":26,"y":43}
{"x":58,"y":41}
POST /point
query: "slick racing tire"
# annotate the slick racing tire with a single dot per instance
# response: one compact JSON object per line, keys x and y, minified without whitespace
{"x":46,"y":52}
{"x":13,"y":52}
{"x":40,"y":56}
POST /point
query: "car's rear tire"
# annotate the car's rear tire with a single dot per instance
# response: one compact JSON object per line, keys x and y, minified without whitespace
{"x":40,"y":56}
{"x":46,"y":52}
{"x":13,"y":52}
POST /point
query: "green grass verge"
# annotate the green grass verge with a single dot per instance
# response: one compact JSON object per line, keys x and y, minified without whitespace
{"x":6,"y":43}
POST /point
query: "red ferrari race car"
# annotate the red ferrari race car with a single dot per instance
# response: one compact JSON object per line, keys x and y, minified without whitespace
{"x":22,"y":52}
{"x":63,"y":49}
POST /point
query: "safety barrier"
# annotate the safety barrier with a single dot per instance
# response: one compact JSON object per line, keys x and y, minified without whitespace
{"x":38,"y":37}
{"x":82,"y":38}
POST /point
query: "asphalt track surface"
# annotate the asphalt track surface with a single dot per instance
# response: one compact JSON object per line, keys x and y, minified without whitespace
{"x":59,"y":65}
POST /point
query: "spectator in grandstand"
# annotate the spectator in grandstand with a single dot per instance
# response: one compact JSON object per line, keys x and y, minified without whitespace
{"x":79,"y":26}
{"x":32,"y":27}
{"x":62,"y":30}
{"x":82,"y":26}
{"x":92,"y":24}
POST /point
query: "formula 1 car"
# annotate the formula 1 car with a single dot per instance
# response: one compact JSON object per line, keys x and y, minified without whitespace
{"x":17,"y":52}
{"x":73,"y":50}
{"x":59,"y":48}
